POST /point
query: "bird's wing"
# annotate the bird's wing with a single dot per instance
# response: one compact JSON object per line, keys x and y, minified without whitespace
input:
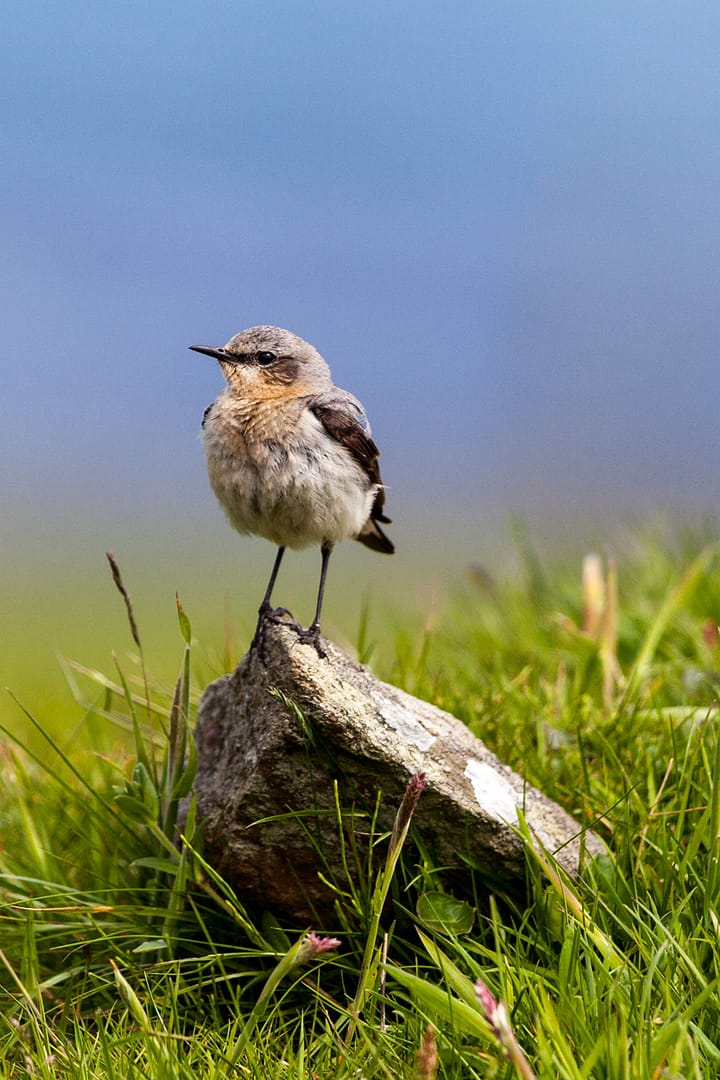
{"x":344,"y":419}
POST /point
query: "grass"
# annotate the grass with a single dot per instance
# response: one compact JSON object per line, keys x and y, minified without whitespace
{"x":123,"y":954}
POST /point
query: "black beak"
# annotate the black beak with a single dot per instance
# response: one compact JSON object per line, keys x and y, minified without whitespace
{"x":212,"y":350}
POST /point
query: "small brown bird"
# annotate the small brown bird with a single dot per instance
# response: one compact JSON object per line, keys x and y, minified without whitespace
{"x":290,"y":456}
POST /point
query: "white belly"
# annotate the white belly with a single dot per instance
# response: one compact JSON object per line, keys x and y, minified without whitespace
{"x":289,"y":494}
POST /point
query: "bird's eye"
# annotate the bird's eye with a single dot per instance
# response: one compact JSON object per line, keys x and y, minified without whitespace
{"x":265,"y":358}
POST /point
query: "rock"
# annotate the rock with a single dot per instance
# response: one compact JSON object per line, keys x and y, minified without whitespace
{"x":275,"y":736}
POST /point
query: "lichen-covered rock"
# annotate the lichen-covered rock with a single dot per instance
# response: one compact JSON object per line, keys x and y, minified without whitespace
{"x":261,"y":759}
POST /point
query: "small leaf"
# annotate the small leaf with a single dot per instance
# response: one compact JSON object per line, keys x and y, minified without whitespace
{"x":142,"y":787}
{"x":185,"y":628}
{"x":152,"y":945}
{"x":133,"y":808}
{"x":156,"y":862}
{"x":444,"y":914}
{"x":140,"y":776}
{"x":185,"y":780}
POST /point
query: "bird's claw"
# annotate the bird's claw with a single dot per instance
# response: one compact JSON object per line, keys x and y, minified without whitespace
{"x":277,"y":616}
{"x":283,"y":617}
{"x":311,"y":636}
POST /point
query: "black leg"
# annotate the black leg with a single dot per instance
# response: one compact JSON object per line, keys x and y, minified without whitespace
{"x":265,"y":609}
{"x":265,"y":606}
{"x":311,"y":636}
{"x":325,"y":552}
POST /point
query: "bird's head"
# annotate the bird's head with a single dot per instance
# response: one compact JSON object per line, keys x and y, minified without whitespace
{"x":267,"y":362}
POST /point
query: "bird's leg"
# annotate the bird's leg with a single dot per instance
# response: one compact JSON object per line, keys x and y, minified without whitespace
{"x":265,"y":606}
{"x":265,"y":609}
{"x":311,"y":636}
{"x":325,"y":552}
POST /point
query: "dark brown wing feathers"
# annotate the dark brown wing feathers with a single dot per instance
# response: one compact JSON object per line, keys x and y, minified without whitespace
{"x":341,"y":425}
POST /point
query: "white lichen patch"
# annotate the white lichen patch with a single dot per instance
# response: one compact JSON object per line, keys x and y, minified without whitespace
{"x":494,"y":795}
{"x":403,"y":722}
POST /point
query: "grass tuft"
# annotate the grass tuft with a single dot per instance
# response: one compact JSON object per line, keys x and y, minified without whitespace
{"x":124,"y":954}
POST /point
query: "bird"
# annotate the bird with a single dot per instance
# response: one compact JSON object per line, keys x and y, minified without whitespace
{"x":290,"y":456}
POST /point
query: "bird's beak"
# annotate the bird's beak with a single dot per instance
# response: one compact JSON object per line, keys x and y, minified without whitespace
{"x":212,"y":350}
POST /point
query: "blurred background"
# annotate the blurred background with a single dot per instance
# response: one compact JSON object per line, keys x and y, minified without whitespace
{"x":498,"y":222}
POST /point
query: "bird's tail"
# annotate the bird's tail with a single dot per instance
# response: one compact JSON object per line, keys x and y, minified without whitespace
{"x":372,"y":536}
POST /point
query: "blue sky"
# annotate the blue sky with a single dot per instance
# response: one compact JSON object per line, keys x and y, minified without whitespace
{"x":499,"y":222}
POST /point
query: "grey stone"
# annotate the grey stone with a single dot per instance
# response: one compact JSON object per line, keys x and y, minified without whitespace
{"x":259,"y":761}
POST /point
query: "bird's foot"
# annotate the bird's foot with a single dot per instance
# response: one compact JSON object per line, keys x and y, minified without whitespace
{"x":278,"y":616}
{"x":283,"y":617}
{"x":311,"y":636}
